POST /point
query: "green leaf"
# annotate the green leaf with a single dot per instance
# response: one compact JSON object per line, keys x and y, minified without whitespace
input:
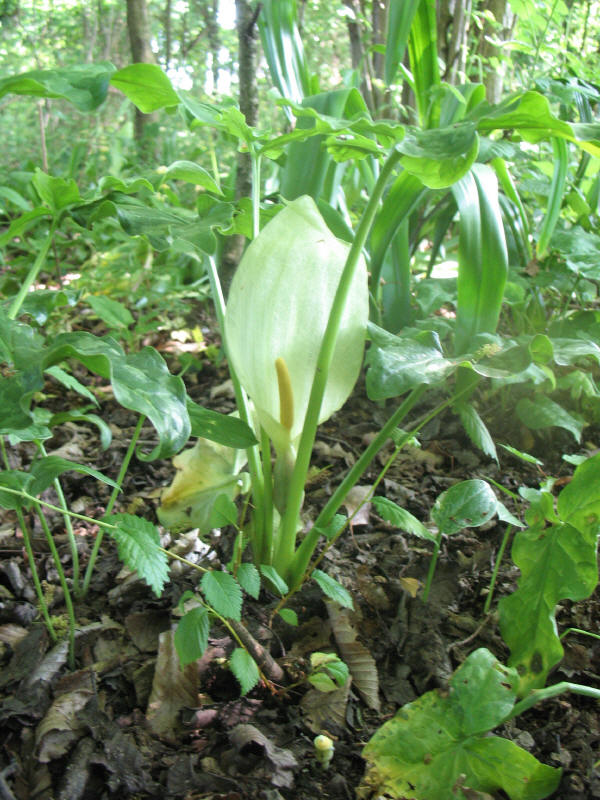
{"x":439,"y":157}
{"x":465,"y":505}
{"x":70,"y":382}
{"x":556,"y":563}
{"x":221,"y":428}
{"x":333,"y":589}
{"x":138,"y":545}
{"x":440,"y":742}
{"x":555,"y":197}
{"x":523,"y":456}
{"x":322,"y":682}
{"x":283,"y":49}
{"x":476,"y":429}
{"x":79,"y":415}
{"x":191,"y":636}
{"x":46,"y":469}
{"x":271,"y":574}
{"x":399,"y":363}
{"x":400,"y":19}
{"x":541,"y":349}
{"x":223,"y":593}
{"x":244,"y":668}
{"x":85,"y":85}
{"x":401,"y":518}
{"x":249,"y":579}
{"x":545,"y":413}
{"x":334,"y":527}
{"x":579,"y":501}
{"x":147,"y":86}
{"x":21,"y":224}
{"x":191,"y":173}
{"x":288,"y":615}
{"x":56,"y":193}
{"x":113,"y":313}
{"x":18,"y":481}
{"x":505,"y":516}
{"x":224,"y":512}
{"x":423,"y":62}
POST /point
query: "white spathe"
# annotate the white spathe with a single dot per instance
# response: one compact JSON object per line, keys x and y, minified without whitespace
{"x":278,"y":307}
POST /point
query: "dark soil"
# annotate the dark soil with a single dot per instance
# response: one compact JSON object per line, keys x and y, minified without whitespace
{"x":129,"y":723}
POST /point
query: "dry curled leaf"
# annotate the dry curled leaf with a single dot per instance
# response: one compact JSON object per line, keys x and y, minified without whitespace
{"x":360,"y":662}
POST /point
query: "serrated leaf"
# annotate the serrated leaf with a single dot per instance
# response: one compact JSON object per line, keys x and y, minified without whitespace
{"x":465,"y":505}
{"x":333,"y":589}
{"x":191,"y":636}
{"x":288,"y":615}
{"x":401,"y":518}
{"x":223,"y":593}
{"x":138,"y":545}
{"x":271,"y":574}
{"x":244,"y":668}
{"x":476,"y":429}
{"x":249,"y":579}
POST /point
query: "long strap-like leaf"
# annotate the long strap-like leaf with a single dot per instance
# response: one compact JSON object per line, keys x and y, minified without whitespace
{"x":283,"y":48}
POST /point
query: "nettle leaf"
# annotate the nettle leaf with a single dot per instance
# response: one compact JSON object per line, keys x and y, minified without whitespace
{"x":46,"y":469}
{"x":322,"y":682}
{"x":396,"y":364}
{"x":545,"y":413}
{"x":440,"y":744}
{"x":465,"y":505}
{"x":288,"y":615}
{"x":191,"y":636}
{"x":138,"y":545}
{"x":220,"y":428}
{"x":244,"y":668}
{"x":333,"y":589}
{"x":249,"y":579}
{"x":223,"y":593}
{"x":401,"y":518}
{"x":556,"y":563}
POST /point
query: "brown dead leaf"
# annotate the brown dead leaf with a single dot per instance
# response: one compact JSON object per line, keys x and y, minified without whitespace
{"x":61,"y":726}
{"x":356,"y":505}
{"x":325,"y":711}
{"x":280,"y":762}
{"x":173,"y":688}
{"x":360,"y":662}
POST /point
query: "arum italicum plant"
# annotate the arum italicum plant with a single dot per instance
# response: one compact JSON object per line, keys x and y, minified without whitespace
{"x":278,"y":312}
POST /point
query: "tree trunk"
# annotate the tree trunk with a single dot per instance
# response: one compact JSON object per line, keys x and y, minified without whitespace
{"x":210,"y":11}
{"x":453,"y":23}
{"x":248,"y":100}
{"x":502,"y":29}
{"x":138,"y":28}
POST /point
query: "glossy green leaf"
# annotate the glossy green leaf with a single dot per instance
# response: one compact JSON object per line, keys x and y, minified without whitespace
{"x":85,"y":85}
{"x":289,"y":615}
{"x":399,"y":22}
{"x":244,"y":668}
{"x":275,"y":579}
{"x":555,"y":197}
{"x":223,"y":593}
{"x":138,"y":545}
{"x":191,"y":173}
{"x":439,"y":744}
{"x":333,"y":589}
{"x":45,"y":470}
{"x":482,"y":256}
{"x":141,"y":383}
{"x":191,"y":635}
{"x":556,"y":563}
{"x":401,"y":518}
{"x":147,"y":86}
{"x":439,"y":157}
{"x":579,"y":501}
{"x":545,"y":413}
{"x":283,"y":48}
{"x":397,"y":364}
{"x":222,"y":428}
{"x":541,"y":349}
{"x":467,"y":504}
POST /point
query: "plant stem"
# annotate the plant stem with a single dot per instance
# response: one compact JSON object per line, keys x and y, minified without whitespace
{"x":34,"y":574}
{"x":432,"y":566}
{"x":505,"y":539}
{"x":287,"y":537}
{"x":266,"y":555}
{"x":252,"y":453}
{"x":16,"y":304}
{"x":578,"y":630}
{"x":63,"y":583}
{"x":112,"y":501}
{"x":68,"y":525}
{"x":537,"y":695}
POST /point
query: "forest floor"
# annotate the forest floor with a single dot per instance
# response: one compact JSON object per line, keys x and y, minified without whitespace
{"x":129,"y":723}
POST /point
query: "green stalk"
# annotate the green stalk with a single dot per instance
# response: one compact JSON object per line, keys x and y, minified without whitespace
{"x":68,"y":526}
{"x":432,"y":566}
{"x":16,"y":304}
{"x":537,"y":695}
{"x":287,"y":539}
{"x":505,"y":540}
{"x":255,"y":192}
{"x":35,"y":576}
{"x":266,"y":554}
{"x":112,"y":501}
{"x":260,"y":532}
{"x":63,"y":583}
